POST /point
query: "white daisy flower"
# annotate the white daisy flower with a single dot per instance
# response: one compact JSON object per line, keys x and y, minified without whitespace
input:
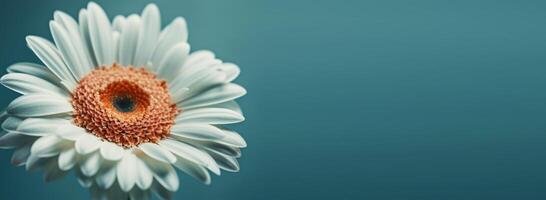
{"x":122,"y":104}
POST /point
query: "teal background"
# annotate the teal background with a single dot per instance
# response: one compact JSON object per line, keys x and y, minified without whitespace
{"x":393,"y":99}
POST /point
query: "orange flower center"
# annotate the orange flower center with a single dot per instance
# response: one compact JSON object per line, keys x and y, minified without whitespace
{"x":124,"y":105}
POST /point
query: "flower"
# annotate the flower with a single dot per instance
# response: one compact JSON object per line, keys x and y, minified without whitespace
{"x":122,"y":104}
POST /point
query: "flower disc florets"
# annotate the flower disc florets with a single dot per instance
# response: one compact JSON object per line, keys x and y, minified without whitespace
{"x":124,"y":105}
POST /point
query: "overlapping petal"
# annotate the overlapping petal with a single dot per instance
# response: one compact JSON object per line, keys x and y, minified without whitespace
{"x":39,"y":124}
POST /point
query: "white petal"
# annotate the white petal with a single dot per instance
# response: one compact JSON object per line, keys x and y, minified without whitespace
{"x":210,"y":116}
{"x":164,"y":173}
{"x":47,"y":146}
{"x":126,"y":172}
{"x":175,"y":33}
{"x":197,"y":132}
{"x":145,"y":177}
{"x":198,"y":57}
{"x":90,"y":165}
{"x":40,"y":126}
{"x":190,"y":153}
{"x":51,"y":57}
{"x":86,"y":36}
{"x":215,"y":95}
{"x":36,"y":105}
{"x":230,"y":105}
{"x":84,"y":181}
{"x":167,"y":177}
{"x":178,"y":94}
{"x":173,"y":60}
{"x":198,"y":62}
{"x":196,"y":81}
{"x":128,"y":40}
{"x":157,"y":152}
{"x":34,"y":162}
{"x":100,"y":33}
{"x":111,"y":151}
{"x":148,"y":36}
{"x":118,"y":23}
{"x":11,"y":123}
{"x":214,"y":63}
{"x":231,"y":70}
{"x":87,"y":143}
{"x":35,"y":70}
{"x":225,"y":162}
{"x":205,"y":132}
{"x":106,"y":176}
{"x":73,"y":31}
{"x":115,"y":39}
{"x":194,"y":170}
{"x":67,"y":159}
{"x":233,"y":139}
{"x":25,"y":84}
{"x":68,"y":50}
{"x":20,"y":155}
{"x":218,"y":147}
{"x":69,"y":131}
{"x":13,"y":140}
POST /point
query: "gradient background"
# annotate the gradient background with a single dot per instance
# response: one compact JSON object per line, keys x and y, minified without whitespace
{"x":352,"y":100}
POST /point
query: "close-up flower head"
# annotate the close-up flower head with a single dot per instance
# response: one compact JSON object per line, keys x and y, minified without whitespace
{"x":347,"y":100}
{"x":124,"y":104}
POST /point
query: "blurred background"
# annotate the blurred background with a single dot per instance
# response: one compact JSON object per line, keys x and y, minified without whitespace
{"x":368,"y":99}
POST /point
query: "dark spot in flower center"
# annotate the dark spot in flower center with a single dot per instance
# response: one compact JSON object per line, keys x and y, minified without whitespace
{"x":124,"y":103}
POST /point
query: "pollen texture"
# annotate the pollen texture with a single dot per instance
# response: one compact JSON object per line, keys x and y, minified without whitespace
{"x":124,"y":105}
